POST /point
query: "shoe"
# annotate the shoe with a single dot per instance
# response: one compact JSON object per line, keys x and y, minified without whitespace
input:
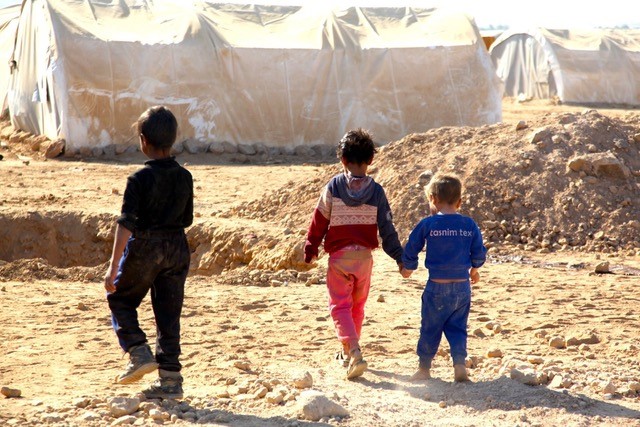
{"x":422,"y":374}
{"x":357,"y":365}
{"x":342,"y":359}
{"x":167,"y":386}
{"x":460,"y":373}
{"x":141,"y":362}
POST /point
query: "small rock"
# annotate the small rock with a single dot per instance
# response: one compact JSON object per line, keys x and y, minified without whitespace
{"x":243,"y":365}
{"x":524,"y":376}
{"x":557,"y":342}
{"x":81,"y":306}
{"x":274,"y":397}
{"x":55,"y":148}
{"x":119,"y":406}
{"x":442,"y":404}
{"x":521,"y":125}
{"x":303,"y":381}
{"x":494,"y":352}
{"x":314,"y":405}
{"x":607,"y":387}
{"x":124,"y":420}
{"x":603,"y":267}
{"x":380,"y":298}
{"x":535,"y":360}
{"x":10,"y":392}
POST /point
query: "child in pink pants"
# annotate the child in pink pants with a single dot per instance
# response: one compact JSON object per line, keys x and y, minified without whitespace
{"x":351,"y":211}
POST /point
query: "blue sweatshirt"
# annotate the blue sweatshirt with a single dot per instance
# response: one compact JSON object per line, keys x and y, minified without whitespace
{"x":454,"y":245}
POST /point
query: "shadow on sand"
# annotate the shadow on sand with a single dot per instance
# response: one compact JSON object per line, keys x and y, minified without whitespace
{"x":502,"y":393}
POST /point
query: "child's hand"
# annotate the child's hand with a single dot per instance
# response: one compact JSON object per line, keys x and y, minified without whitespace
{"x":109,"y":278}
{"x":474,"y":275}
{"x":308,"y":258}
{"x":406,"y":273}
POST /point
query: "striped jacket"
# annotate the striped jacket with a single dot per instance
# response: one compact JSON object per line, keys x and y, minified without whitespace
{"x":351,"y":211}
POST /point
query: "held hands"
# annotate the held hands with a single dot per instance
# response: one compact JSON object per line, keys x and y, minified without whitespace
{"x":474,"y":275}
{"x":403,"y":271}
{"x":406,"y":273}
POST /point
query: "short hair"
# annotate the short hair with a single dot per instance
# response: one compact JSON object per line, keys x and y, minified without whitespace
{"x":445,"y":187}
{"x":159,"y":126}
{"x":356,"y":146}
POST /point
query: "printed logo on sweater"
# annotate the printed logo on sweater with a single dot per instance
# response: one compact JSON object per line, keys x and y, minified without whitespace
{"x":342,"y":214}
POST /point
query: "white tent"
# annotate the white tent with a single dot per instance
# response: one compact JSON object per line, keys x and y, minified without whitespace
{"x":583,"y":67}
{"x":278,"y":75}
{"x":8,"y":25}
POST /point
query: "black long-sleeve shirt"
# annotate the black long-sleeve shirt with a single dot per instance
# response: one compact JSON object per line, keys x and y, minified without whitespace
{"x":158,"y":197}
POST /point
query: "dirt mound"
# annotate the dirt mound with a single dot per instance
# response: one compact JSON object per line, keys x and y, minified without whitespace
{"x":565,"y":181}
{"x":47,"y":240}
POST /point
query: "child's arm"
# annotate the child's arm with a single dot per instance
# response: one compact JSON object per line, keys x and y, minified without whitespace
{"x":474,"y":274}
{"x":390,"y":242}
{"x":478,"y":251}
{"x":122,"y":236}
{"x":319,"y":226}
{"x":411,"y":250}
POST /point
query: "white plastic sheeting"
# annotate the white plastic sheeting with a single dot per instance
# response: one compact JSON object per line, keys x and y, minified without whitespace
{"x":278,"y":75}
{"x":8,"y":26}
{"x":583,"y":67}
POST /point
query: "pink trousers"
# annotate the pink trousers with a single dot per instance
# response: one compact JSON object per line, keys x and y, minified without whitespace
{"x":348,"y":282}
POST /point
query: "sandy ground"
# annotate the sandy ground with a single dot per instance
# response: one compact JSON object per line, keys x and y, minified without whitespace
{"x":551,"y":342}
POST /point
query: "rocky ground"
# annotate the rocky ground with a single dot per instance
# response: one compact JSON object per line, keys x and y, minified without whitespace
{"x":553,"y":331}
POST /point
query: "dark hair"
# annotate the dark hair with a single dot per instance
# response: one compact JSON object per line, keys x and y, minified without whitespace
{"x":159,"y":126}
{"x":356,"y":146}
{"x":446,"y":188}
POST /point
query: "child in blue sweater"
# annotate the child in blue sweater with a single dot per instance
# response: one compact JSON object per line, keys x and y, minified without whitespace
{"x":454,"y":252}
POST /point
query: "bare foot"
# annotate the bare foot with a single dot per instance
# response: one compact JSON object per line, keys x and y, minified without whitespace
{"x":460,"y":373}
{"x":421,"y":374}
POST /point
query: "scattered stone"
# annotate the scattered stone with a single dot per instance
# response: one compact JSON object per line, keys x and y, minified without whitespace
{"x":607,"y":387}
{"x":521,"y":125}
{"x":634,"y":386}
{"x":89,"y":416}
{"x":274,"y":397}
{"x":603,"y":267}
{"x":535,"y":360}
{"x":305,"y":380}
{"x":81,"y":306}
{"x":82,"y":402}
{"x":442,"y":404}
{"x":494,"y":352}
{"x":314,"y":405}
{"x":478,"y":332}
{"x":524,"y":376}
{"x":10,"y":392}
{"x":125,"y":420}
{"x":560,"y":381}
{"x":380,"y":298}
{"x":557,"y":342}
{"x":119,"y":406}
{"x":243,"y":365}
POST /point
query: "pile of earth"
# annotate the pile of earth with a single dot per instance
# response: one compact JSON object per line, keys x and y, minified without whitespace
{"x":568,"y":181}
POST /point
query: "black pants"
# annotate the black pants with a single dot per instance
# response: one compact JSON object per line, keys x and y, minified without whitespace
{"x":156,"y":261}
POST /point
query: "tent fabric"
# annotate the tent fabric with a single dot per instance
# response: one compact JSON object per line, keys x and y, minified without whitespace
{"x":583,"y":67}
{"x":278,"y":75}
{"x":8,"y":26}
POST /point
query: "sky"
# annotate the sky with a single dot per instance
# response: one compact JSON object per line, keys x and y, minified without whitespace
{"x":558,"y":14}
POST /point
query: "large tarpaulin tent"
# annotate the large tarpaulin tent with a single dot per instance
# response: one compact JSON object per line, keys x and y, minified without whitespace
{"x":278,"y":75}
{"x":8,"y":25}
{"x":583,"y":67}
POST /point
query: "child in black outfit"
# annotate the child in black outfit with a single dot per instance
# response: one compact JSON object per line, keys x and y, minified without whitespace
{"x":150,"y":252}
